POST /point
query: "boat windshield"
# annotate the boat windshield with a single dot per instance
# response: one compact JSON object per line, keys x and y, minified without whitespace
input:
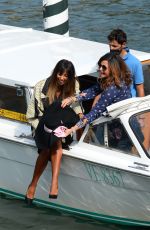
{"x":111,"y":135}
{"x":140,"y":124}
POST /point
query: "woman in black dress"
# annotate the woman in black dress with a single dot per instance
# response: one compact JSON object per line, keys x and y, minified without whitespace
{"x":45,"y":114}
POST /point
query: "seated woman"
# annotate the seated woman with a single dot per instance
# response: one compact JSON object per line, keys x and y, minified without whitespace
{"x":113,"y":85}
{"x":45,"y":114}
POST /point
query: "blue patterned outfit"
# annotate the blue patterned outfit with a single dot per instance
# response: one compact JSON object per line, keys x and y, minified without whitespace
{"x":110,"y":95}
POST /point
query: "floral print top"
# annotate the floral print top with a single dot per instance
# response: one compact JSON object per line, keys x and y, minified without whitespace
{"x":109,"y":96}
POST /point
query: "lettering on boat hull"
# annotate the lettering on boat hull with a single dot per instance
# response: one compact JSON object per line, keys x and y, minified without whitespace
{"x":104,"y":175}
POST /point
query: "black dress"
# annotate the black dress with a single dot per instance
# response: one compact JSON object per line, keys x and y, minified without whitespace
{"x":53,"y":117}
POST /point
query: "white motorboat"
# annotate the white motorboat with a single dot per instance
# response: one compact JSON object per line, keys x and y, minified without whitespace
{"x":106,"y":174}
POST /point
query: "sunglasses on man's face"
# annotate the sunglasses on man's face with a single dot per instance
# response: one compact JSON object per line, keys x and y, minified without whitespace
{"x":103,"y":67}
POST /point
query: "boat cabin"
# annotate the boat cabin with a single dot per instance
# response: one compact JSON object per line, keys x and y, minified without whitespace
{"x":27,"y":56}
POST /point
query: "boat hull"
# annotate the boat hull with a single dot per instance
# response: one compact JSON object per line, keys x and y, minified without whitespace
{"x":85,"y":188}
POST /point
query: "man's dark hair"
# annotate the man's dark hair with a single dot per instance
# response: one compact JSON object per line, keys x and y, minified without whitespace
{"x":118,"y":35}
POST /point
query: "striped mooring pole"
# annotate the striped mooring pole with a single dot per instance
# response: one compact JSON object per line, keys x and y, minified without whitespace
{"x":55,"y":16}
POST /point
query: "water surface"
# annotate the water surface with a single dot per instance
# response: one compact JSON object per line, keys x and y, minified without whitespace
{"x":89,"y":19}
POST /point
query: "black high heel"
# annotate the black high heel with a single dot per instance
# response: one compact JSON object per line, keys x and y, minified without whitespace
{"x":28,"y":201}
{"x":52,"y":196}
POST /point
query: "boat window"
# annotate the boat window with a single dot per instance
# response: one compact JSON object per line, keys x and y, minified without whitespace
{"x":111,"y":135}
{"x":140,"y":125}
{"x":13,"y":102}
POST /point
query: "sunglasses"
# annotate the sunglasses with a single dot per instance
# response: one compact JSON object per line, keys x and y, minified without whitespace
{"x":103,"y":67}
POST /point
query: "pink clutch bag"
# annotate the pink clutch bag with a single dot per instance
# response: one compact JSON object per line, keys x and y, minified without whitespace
{"x":60,"y":131}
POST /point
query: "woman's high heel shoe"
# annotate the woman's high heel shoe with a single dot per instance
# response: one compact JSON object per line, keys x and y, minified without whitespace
{"x":28,"y":201}
{"x":52,"y":196}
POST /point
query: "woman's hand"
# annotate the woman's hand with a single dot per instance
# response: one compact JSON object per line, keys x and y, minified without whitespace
{"x":68,"y":101}
{"x":68,"y":132}
{"x":71,"y":130}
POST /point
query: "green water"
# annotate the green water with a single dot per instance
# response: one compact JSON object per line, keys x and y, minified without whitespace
{"x":16,"y":215}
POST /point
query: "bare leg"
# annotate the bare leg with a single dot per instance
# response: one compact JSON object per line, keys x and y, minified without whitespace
{"x":40,"y":165}
{"x":56,"y":155}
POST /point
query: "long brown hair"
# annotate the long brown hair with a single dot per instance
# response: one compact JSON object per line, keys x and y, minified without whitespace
{"x":119,"y":71}
{"x":63,"y":66}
